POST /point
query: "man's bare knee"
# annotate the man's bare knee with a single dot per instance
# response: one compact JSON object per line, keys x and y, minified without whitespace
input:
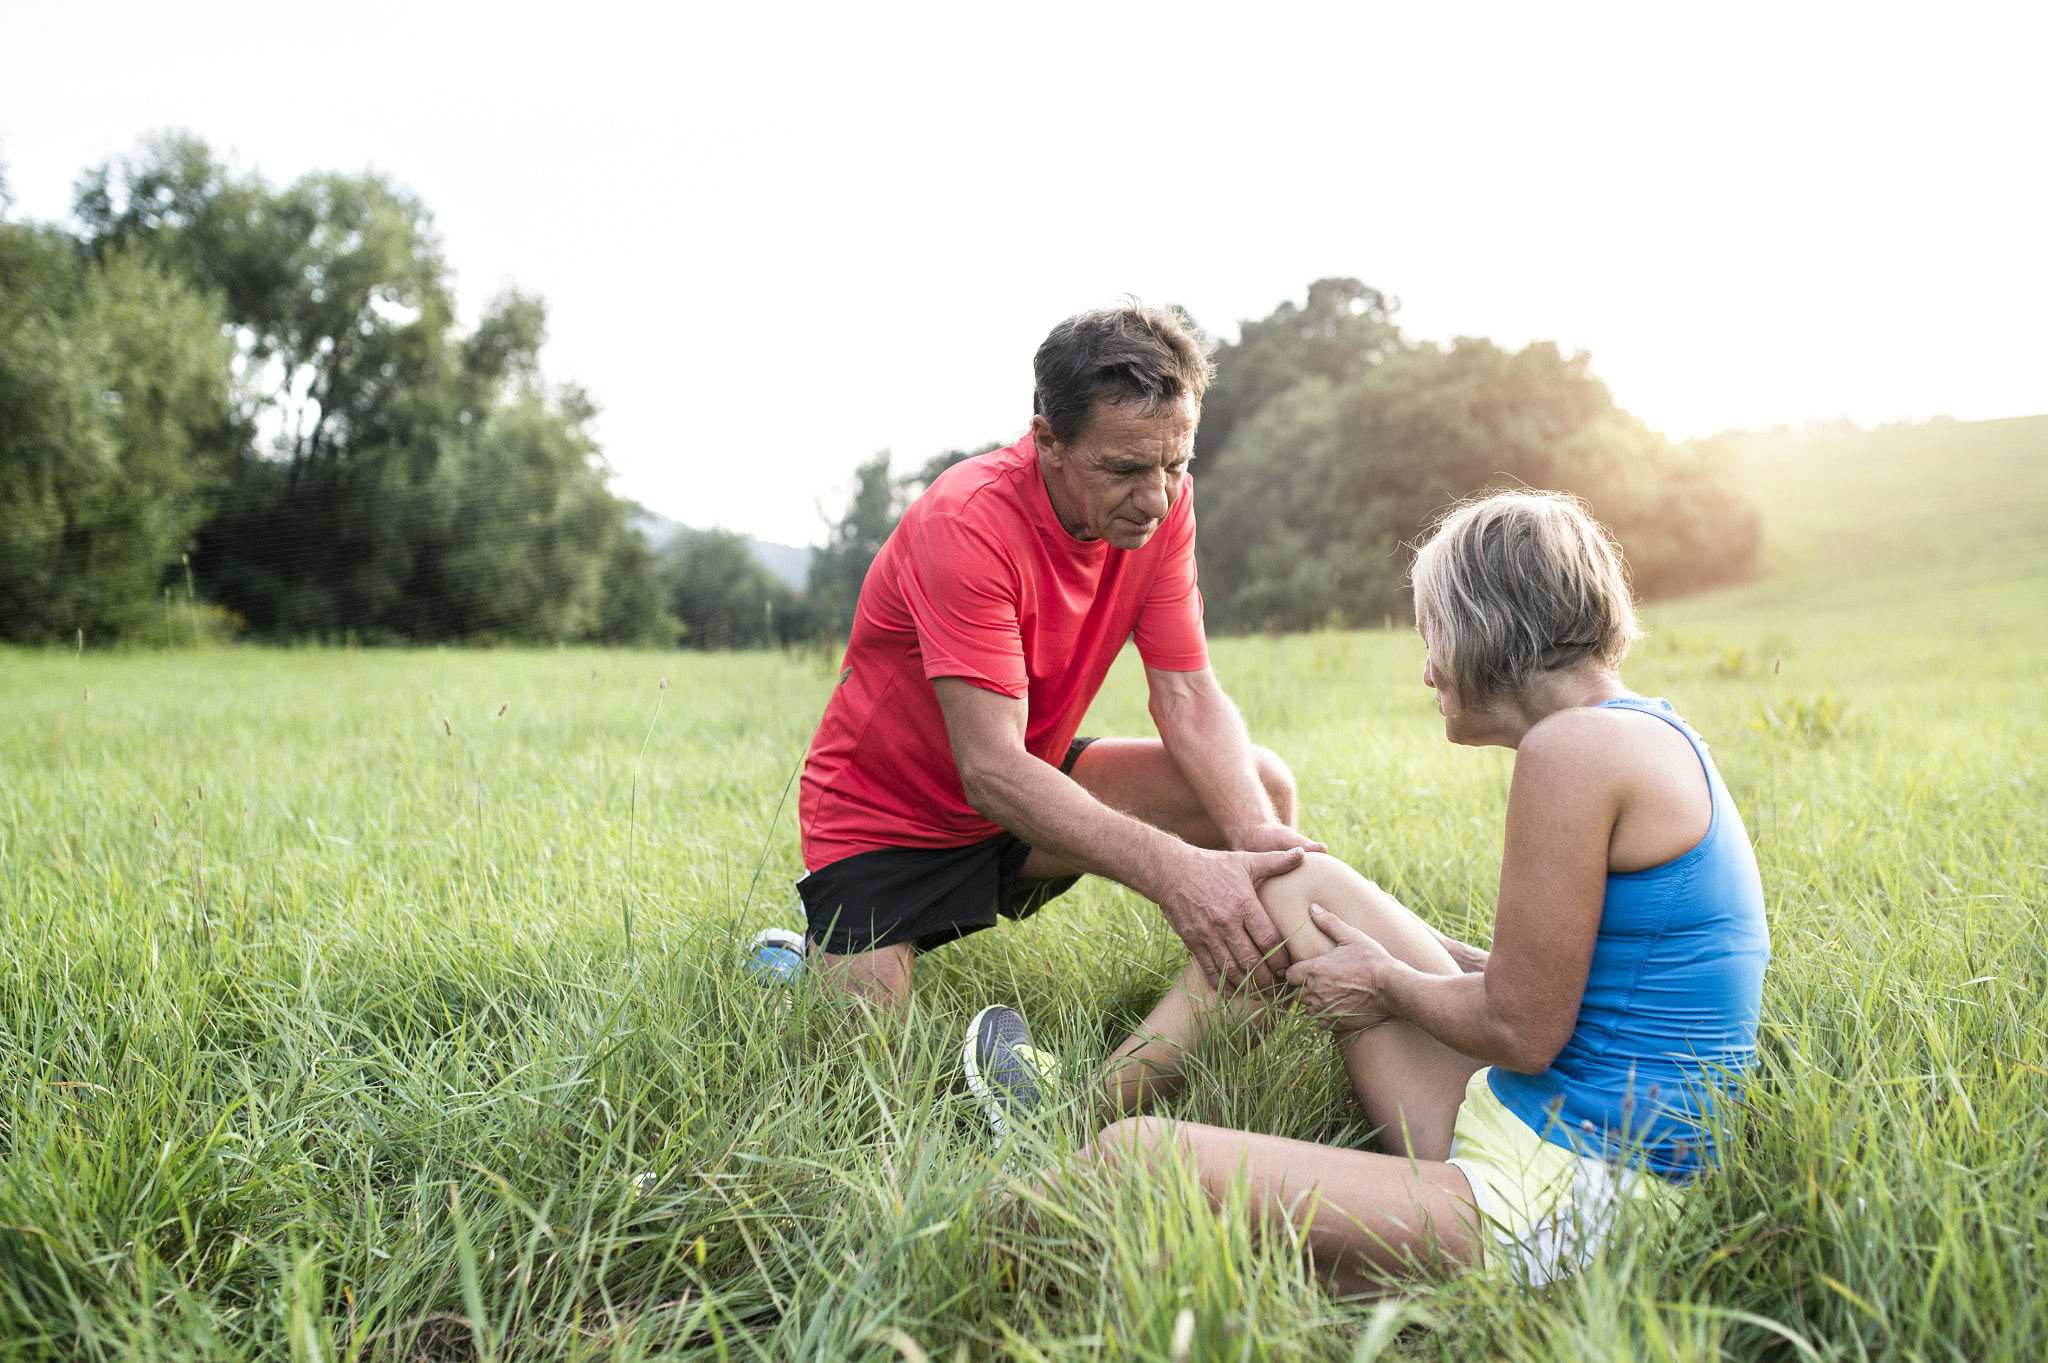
{"x":878,"y":979}
{"x":1278,"y":780}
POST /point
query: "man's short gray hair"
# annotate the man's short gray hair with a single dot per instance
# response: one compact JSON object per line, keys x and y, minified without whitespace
{"x":1147,"y":357}
{"x":1519,"y":584}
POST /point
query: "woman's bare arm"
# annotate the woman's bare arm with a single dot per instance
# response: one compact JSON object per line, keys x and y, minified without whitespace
{"x":1572,"y":775}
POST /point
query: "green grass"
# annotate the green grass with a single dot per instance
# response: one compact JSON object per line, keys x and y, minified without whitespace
{"x":412,"y":1039}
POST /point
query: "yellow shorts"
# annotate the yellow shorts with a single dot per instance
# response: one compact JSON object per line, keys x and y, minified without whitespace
{"x":1548,"y":1209}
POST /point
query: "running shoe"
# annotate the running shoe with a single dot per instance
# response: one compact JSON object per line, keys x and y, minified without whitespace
{"x":1005,"y":1072}
{"x":776,"y":957}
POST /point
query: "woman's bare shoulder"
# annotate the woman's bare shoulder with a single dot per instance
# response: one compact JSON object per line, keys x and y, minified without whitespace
{"x":1591,"y":742}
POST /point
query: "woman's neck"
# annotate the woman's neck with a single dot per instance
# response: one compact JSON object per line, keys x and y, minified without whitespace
{"x":1513,"y":717}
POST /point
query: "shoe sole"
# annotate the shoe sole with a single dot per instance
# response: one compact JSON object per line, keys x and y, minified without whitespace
{"x":782,"y":941}
{"x":991,"y":1105}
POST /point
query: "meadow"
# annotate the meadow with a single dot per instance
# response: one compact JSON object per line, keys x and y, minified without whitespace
{"x":386,"y":1004}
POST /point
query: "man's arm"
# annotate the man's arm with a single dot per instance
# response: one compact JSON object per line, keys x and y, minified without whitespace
{"x":1206,"y":738}
{"x":1207,"y":897}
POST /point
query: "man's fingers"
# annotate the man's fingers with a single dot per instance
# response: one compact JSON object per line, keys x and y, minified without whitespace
{"x":1335,"y":928}
{"x":1265,"y":865}
{"x":1245,"y":962}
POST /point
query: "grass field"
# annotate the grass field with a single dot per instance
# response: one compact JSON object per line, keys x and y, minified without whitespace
{"x":383,"y":1004}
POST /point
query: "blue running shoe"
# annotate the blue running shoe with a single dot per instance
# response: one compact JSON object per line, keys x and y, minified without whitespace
{"x":1009,"y":1075}
{"x":776,"y":957}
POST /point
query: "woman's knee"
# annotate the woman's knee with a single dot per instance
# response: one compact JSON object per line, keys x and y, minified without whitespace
{"x":1324,"y":880}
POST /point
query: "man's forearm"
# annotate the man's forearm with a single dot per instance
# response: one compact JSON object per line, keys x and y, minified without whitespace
{"x":1049,"y":810}
{"x":1206,"y":738}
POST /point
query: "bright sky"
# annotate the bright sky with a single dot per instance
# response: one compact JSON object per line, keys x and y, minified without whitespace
{"x":774,"y":239}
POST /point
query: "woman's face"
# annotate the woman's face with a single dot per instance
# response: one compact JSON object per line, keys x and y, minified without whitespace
{"x":1460,"y":725}
{"x":1446,"y":698}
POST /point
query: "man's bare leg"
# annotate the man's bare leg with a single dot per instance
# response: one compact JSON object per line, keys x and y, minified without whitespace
{"x":876,"y":981}
{"x":1136,"y":776}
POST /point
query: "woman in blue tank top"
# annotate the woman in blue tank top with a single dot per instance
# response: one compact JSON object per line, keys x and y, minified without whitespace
{"x":1526,"y":1094}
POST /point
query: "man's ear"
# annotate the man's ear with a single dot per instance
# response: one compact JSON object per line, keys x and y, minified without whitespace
{"x":1048,"y":445}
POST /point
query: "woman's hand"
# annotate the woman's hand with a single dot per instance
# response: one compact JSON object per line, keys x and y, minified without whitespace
{"x":1344,"y":989}
{"x":1471,"y":960}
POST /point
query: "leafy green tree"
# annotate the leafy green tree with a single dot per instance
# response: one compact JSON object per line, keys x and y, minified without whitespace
{"x":1309,"y":515}
{"x":879,"y":500}
{"x":633,"y":600}
{"x":410,"y":482}
{"x":838,"y":569}
{"x":522,"y":526}
{"x":1343,"y":330}
{"x":726,"y":597}
{"x":115,"y":424}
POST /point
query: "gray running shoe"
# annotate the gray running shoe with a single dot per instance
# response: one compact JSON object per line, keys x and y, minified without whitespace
{"x":1009,"y":1075}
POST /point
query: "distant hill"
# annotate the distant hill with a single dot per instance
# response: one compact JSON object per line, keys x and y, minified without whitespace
{"x":1945,"y":496}
{"x":790,"y":562}
{"x":1954,"y":510}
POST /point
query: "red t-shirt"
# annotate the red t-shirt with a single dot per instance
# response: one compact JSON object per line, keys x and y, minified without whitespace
{"x":980,"y":581}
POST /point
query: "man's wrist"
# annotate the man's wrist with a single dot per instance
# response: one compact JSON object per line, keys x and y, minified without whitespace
{"x":1238,"y":832}
{"x":1156,"y":864}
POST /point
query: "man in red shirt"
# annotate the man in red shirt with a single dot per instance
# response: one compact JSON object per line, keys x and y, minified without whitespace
{"x":946,"y":785}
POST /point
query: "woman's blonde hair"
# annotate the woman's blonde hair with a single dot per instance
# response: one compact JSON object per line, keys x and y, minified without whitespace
{"x":1519,"y":584}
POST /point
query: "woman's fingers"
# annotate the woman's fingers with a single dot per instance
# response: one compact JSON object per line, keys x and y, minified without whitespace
{"x":1335,"y":928}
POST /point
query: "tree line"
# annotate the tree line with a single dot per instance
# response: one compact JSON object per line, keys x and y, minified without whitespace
{"x":260,"y":395}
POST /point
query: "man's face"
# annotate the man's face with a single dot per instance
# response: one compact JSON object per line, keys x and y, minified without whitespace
{"x":1118,"y":478}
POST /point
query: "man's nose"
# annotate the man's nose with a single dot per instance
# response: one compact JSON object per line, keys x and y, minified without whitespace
{"x":1151,"y":498}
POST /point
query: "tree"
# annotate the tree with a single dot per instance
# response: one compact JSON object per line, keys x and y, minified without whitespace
{"x":877,"y":504}
{"x":115,"y":426}
{"x":725,"y":597}
{"x":409,"y":482}
{"x":1309,"y":510}
{"x":633,"y":604}
{"x":838,"y":569}
{"x":1343,"y":330}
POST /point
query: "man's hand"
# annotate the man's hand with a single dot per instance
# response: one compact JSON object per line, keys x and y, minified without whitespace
{"x":1212,"y":902}
{"x":1343,"y":989}
{"x":1276,"y":837}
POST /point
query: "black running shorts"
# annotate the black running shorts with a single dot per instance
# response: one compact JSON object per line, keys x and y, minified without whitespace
{"x":925,"y":895}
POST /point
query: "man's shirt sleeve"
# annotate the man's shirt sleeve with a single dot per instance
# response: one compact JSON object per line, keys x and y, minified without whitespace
{"x":1169,"y":631}
{"x":962,"y":592}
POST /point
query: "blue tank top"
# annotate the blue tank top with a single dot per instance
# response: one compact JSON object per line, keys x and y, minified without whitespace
{"x":1670,"y":1011}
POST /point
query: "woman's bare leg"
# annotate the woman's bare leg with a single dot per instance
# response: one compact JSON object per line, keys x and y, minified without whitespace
{"x":1189,"y":1018}
{"x":1365,"y":1218}
{"x":1408,"y":1082}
